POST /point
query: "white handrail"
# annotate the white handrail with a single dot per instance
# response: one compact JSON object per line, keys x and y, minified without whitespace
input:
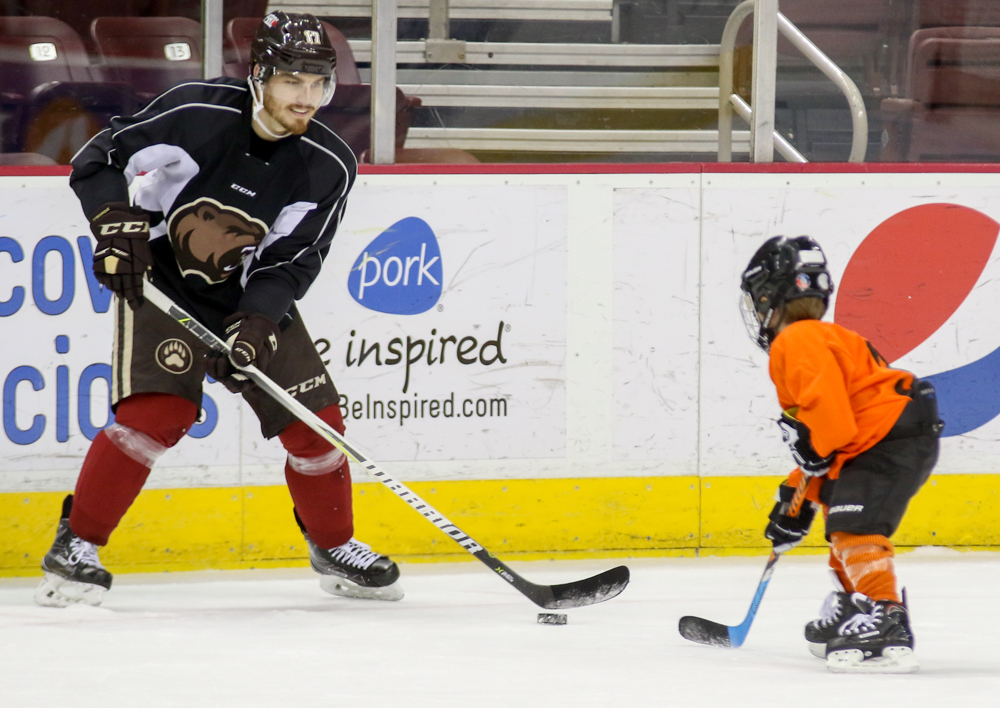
{"x":788,"y":152}
{"x":859,"y":117}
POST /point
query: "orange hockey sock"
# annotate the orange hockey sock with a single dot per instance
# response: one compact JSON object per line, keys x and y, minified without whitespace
{"x":867,"y":563}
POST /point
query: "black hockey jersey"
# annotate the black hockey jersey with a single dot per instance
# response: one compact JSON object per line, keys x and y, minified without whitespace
{"x":237,"y":223}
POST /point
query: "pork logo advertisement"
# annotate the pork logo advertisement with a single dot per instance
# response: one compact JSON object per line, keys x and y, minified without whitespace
{"x":443,"y":323}
{"x":400,"y":271}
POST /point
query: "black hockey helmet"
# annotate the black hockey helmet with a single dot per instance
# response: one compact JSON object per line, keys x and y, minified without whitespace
{"x":292,"y":42}
{"x":781,"y":270}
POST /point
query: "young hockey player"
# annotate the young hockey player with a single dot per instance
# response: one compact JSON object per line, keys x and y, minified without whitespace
{"x":241,"y":196}
{"x":866,"y":434}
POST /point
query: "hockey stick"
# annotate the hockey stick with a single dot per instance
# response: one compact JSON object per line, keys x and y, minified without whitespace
{"x":706,"y":631}
{"x":580,"y":593}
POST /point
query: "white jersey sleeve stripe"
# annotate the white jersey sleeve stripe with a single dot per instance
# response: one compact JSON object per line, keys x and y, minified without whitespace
{"x":176,"y":108}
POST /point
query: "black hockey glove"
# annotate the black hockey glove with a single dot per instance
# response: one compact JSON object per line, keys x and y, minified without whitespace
{"x":796,"y":435}
{"x":786,"y":532}
{"x":252,"y":339}
{"x":122,"y":256}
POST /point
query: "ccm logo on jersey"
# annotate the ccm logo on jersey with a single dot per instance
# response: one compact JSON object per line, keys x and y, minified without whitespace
{"x":243,"y":190}
{"x":307,"y":385}
{"x":125,"y":227}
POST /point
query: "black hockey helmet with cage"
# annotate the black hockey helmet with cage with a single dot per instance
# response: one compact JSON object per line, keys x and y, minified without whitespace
{"x":292,"y":42}
{"x":781,"y":270}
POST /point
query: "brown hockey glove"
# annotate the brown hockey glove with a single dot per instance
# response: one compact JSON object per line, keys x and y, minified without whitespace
{"x":122,"y":256}
{"x":796,"y":435}
{"x":252,"y":339}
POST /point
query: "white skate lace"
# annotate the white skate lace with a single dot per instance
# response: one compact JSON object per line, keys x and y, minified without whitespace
{"x":83,"y":552}
{"x":829,"y":613}
{"x":354,"y":553}
{"x":862,"y":622}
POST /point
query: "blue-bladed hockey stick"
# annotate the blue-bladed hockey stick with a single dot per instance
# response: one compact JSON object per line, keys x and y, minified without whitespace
{"x":706,"y":631}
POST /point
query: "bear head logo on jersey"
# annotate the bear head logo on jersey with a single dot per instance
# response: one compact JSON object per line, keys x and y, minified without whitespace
{"x":211,"y":240}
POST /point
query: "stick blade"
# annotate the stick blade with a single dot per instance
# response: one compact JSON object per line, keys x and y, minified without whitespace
{"x":704,"y":631}
{"x":588,"y":591}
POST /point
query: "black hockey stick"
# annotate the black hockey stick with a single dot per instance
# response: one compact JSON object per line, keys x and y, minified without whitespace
{"x":580,"y":593}
{"x":706,"y":631}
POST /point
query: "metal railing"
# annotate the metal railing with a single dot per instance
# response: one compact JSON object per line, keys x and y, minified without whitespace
{"x":383,"y":51}
{"x":730,"y":102}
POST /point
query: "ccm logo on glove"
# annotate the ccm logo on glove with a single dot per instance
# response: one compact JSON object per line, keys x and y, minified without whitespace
{"x":125,"y":227}
{"x":122,"y":256}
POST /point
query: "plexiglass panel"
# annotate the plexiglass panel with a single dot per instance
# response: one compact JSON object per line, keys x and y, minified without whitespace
{"x":536,"y":80}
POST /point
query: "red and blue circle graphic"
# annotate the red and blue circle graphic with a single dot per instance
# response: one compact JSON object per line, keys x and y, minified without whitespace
{"x":906,"y":279}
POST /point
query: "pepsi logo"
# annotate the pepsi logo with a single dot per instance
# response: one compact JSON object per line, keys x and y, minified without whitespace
{"x":909,"y":276}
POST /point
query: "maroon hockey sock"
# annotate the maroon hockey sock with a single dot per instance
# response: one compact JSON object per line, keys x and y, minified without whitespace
{"x":319,"y":480}
{"x":112,"y":478}
{"x":108,"y":484}
{"x":324,"y":504}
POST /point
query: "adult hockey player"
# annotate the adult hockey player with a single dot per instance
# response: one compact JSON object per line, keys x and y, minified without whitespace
{"x":866,"y":434}
{"x":240,"y":196}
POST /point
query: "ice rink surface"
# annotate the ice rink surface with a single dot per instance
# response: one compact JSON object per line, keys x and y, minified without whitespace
{"x":463,"y":638}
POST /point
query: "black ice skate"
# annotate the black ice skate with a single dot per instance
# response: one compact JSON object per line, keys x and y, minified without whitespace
{"x":875,"y":639}
{"x":837,"y":608}
{"x":354,"y":570}
{"x":73,"y":572}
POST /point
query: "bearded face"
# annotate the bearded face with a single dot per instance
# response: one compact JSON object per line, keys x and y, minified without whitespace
{"x":210,"y":240}
{"x":291,"y":100}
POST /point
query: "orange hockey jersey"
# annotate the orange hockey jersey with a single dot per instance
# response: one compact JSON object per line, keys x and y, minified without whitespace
{"x":845,"y":393}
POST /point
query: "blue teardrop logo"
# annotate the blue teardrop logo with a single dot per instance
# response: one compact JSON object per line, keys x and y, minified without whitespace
{"x":399,"y":273}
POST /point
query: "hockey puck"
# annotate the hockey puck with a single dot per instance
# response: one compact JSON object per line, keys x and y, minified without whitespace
{"x":551,"y":618}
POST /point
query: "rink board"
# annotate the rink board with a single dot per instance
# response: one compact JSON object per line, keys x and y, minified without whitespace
{"x":574,"y":380}
{"x":252,"y":527}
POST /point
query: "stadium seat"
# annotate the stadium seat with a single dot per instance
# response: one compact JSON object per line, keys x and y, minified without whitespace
{"x":25,"y":159}
{"x":58,"y":118}
{"x":952,"y":104}
{"x":79,"y":14}
{"x":349,"y":115}
{"x":152,"y":54}
{"x":958,"y":13}
{"x":850,"y":32}
{"x":37,"y":50}
{"x":49,"y":103}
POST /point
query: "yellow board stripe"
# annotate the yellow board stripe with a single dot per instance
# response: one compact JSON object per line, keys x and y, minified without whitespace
{"x":244,"y":527}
